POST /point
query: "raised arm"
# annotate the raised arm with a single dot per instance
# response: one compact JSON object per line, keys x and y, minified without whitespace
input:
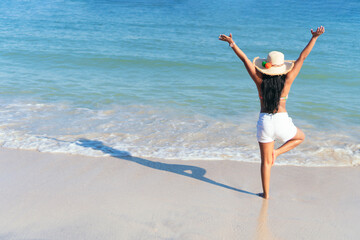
{"x":248,"y":64}
{"x":290,"y":77}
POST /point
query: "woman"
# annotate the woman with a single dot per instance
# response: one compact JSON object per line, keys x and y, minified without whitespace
{"x":273,"y":78}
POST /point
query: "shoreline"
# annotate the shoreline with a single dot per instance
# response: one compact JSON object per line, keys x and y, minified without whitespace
{"x":167,"y":133}
{"x":58,"y":196}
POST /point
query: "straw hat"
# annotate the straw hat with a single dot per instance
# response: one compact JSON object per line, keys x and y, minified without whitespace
{"x":277,"y":66}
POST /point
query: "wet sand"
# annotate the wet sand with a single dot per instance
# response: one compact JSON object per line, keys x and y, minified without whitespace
{"x":62,"y":196}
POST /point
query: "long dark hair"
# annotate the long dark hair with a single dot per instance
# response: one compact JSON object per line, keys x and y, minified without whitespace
{"x":271,"y":88}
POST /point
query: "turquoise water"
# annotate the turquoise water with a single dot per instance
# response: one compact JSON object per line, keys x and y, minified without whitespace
{"x":151,"y":77}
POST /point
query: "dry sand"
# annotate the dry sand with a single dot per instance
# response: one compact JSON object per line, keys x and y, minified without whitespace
{"x":60,"y":196}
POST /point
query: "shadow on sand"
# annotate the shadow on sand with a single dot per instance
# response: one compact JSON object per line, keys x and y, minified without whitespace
{"x":185,"y":170}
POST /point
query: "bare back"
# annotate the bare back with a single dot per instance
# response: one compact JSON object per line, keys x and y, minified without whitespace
{"x":284,"y":94}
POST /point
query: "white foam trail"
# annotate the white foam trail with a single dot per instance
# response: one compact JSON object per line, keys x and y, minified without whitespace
{"x":149,"y":132}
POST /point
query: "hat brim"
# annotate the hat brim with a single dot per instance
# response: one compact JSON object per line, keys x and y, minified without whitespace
{"x":284,"y":69}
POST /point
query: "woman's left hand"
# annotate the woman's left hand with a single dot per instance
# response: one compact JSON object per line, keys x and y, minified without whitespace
{"x":225,"y":38}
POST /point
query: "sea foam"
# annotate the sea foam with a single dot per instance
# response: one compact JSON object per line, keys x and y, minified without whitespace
{"x":152,"y":132}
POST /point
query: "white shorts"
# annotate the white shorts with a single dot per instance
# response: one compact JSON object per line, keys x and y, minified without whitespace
{"x":275,"y":126}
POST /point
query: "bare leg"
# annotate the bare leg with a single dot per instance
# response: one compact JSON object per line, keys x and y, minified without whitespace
{"x":266,"y":150}
{"x":292,"y":143}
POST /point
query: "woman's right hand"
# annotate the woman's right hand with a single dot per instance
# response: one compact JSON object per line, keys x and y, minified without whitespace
{"x":318,"y":32}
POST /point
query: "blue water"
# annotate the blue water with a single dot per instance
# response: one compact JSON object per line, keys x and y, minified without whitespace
{"x":151,"y":77}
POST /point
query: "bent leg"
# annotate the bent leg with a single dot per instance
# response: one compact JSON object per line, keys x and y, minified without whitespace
{"x":266,"y":151}
{"x":292,"y":143}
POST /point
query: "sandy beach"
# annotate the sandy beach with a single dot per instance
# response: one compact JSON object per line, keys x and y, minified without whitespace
{"x":60,"y":196}
{"x":131,"y":120}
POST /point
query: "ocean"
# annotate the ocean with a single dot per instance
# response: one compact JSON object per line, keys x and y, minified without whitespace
{"x":151,"y":79}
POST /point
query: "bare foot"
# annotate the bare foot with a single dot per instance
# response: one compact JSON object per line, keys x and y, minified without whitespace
{"x":274,"y":155}
{"x":263,"y":195}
